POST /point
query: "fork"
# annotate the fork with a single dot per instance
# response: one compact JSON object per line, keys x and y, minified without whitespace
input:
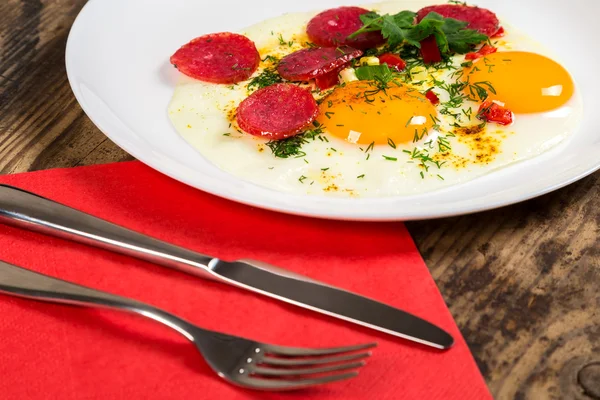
{"x":239,"y":361}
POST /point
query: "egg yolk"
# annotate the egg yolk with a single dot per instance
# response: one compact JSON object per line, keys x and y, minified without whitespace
{"x":363,"y":113}
{"x":525,"y":82}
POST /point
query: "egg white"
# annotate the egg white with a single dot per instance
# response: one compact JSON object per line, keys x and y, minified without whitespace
{"x":199,"y":112}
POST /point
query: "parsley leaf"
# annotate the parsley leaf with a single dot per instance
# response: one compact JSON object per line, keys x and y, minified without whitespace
{"x":405,"y":19}
{"x":374,"y":72}
{"x":462,"y":41}
{"x":371,"y":23}
{"x":394,"y":34}
{"x":400,"y":29}
{"x":394,"y":28}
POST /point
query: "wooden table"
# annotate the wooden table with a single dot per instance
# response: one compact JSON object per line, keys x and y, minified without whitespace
{"x":522,"y":282}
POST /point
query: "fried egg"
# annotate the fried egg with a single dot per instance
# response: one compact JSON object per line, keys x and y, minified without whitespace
{"x":525,"y":82}
{"x":372,"y":143}
{"x":360,"y":113}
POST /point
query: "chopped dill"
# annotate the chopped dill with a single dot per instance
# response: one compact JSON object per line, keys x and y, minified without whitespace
{"x":479,"y":90}
{"x":267,"y":78}
{"x":292,"y":147}
{"x":443,"y":145}
{"x":271,"y":59}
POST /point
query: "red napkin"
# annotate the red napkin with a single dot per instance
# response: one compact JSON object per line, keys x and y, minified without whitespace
{"x":52,"y":351}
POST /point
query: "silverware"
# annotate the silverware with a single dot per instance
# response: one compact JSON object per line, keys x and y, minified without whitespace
{"x":239,"y":361}
{"x":30,"y":211}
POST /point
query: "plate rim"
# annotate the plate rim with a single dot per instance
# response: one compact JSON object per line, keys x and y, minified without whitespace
{"x":462,"y":209}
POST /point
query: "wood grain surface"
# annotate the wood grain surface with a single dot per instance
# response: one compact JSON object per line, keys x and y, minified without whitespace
{"x":522,"y":282}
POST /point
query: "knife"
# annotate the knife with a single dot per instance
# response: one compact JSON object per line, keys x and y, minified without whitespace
{"x":32,"y":212}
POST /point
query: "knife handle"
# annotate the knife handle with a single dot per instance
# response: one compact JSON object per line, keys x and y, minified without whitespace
{"x":32,"y":212}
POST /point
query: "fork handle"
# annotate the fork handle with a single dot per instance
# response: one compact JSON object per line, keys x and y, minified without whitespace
{"x":25,"y":283}
{"x":30,"y":211}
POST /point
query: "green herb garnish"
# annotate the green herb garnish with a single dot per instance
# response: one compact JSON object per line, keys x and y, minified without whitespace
{"x":374,"y":73}
{"x":267,"y":78}
{"x":292,"y":147}
{"x":451,"y":34}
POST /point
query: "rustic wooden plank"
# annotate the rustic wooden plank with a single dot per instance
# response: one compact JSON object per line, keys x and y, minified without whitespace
{"x":522,"y":281}
{"x":39,"y":116}
{"x":523,"y":285}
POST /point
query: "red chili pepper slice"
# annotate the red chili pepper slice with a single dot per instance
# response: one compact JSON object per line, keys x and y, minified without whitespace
{"x":500,"y":33}
{"x":328,"y":80}
{"x":432,"y":97}
{"x":430,"y":50}
{"x":393,"y":61}
{"x":484,"y":51}
{"x":491,"y":111}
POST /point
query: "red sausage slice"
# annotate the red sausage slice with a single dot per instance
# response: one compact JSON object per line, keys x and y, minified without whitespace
{"x":479,"y":19}
{"x":218,"y":58}
{"x":307,"y":64}
{"x":331,"y":28}
{"x":277,"y":112}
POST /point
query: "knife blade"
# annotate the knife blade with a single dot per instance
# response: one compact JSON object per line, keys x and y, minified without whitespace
{"x":33,"y":212}
{"x":335,"y":302}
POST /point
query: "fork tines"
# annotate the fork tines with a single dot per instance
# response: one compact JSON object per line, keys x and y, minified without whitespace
{"x":280,"y":367}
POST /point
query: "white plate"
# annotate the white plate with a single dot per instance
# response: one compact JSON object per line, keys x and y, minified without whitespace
{"x":118,"y":65}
